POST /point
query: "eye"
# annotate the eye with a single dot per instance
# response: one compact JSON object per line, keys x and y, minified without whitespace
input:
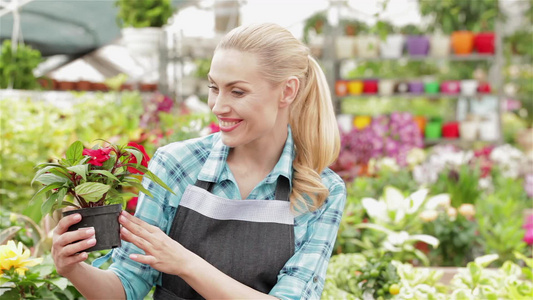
{"x":213,"y":88}
{"x":237,"y":93}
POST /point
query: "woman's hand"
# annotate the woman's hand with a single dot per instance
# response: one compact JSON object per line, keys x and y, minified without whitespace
{"x":66,"y":244}
{"x":161,"y":252}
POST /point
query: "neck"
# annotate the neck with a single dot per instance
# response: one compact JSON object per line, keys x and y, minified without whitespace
{"x":261,"y":156}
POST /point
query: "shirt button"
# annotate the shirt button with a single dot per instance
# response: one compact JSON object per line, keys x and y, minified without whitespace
{"x":315,"y":279}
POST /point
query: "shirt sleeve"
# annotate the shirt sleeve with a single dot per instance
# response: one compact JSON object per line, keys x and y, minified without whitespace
{"x":137,"y":279}
{"x":304,"y":274}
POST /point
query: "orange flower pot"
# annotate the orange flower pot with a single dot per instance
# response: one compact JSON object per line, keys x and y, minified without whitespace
{"x":341,"y":88}
{"x":355,"y":87}
{"x":420,"y":122}
{"x":462,"y":42}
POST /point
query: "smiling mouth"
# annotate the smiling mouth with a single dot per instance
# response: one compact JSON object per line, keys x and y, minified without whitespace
{"x":227,"y":124}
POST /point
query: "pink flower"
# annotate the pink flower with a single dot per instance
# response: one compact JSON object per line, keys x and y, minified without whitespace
{"x":98,"y":156}
{"x":528,"y":236}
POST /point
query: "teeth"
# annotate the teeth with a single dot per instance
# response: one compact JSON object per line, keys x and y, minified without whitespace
{"x":227,"y":124}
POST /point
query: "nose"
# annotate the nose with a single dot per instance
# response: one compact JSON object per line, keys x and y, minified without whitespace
{"x":218,"y":104}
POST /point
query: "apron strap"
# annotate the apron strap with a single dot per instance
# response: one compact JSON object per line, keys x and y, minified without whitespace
{"x":283,"y":187}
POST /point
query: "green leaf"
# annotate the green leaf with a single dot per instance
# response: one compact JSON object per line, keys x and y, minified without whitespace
{"x":139,"y":186}
{"x":60,"y":282}
{"x":138,"y":155}
{"x":49,"y":178}
{"x":106,"y":173}
{"x":156,"y":179}
{"x":42,"y":171}
{"x":46,"y":189}
{"x":91,"y":191}
{"x":75,"y":151}
{"x":80,"y":170}
{"x":48,"y":205}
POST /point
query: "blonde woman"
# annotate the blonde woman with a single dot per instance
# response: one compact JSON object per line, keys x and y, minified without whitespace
{"x":256,"y":210}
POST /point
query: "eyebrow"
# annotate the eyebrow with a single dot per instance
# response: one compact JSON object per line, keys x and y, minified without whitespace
{"x":229,"y":83}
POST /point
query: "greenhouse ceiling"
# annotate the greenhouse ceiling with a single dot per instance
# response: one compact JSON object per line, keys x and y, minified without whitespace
{"x":69,"y":27}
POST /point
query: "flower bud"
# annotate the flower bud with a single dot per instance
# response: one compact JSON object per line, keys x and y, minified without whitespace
{"x":429,"y":215}
{"x":452,"y":212}
{"x":467,"y":210}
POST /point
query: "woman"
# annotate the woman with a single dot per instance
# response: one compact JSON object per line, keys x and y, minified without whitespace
{"x":278,"y":135}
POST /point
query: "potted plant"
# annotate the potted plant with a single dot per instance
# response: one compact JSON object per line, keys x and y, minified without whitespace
{"x":92,"y":181}
{"x":16,"y":66}
{"x":417,"y":43}
{"x":142,"y":23}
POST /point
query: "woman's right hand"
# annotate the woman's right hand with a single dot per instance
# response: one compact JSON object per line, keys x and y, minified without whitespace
{"x":66,"y":244}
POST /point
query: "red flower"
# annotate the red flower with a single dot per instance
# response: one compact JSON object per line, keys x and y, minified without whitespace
{"x":132,"y":205}
{"x":98,"y":156}
{"x":133,"y":159}
{"x":214,"y":127}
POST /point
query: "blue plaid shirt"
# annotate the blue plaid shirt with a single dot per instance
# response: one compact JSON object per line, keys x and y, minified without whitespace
{"x":180,"y":164}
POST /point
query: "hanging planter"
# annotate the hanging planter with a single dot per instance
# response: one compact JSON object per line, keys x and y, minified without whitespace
{"x":462,"y":42}
{"x":386,"y":87}
{"x":142,"y":41}
{"x":484,"y":43}
{"x":368,"y":46}
{"x":439,"y":45}
{"x":417,"y":45}
{"x":392,"y":47}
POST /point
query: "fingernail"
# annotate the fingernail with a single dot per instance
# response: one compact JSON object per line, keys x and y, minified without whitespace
{"x":90,"y":230}
{"x":122,"y":218}
{"x":91,"y":242}
{"x":77,"y":217}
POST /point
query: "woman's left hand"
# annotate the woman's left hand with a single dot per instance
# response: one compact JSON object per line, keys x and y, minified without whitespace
{"x":160,"y":250}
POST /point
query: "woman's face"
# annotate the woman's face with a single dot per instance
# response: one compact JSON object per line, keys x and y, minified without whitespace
{"x":245,"y":104}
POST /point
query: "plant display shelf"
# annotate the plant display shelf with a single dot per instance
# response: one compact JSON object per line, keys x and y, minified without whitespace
{"x":470,"y":57}
{"x":415,"y":96}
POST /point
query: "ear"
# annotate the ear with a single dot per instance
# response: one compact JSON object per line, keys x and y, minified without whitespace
{"x":289,"y":92}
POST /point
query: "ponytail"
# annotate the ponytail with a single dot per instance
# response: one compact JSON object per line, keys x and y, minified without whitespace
{"x":316,"y":138}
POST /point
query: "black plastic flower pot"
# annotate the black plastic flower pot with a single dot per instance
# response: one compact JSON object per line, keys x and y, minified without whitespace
{"x":104,"y":219}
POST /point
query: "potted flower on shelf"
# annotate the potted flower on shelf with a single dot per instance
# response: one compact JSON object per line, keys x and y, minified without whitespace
{"x":142,"y":23}
{"x":91,"y":180}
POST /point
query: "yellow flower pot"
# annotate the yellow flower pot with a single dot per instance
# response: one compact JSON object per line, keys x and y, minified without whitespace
{"x":355,"y":87}
{"x":361,"y":122}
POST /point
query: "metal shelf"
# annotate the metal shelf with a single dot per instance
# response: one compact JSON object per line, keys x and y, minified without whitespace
{"x":470,"y":57}
{"x":414,"y":96}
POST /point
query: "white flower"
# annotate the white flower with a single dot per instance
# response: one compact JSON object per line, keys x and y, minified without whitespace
{"x":429,"y":215}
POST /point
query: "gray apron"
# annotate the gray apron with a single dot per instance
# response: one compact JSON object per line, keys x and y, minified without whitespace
{"x":248,"y":240}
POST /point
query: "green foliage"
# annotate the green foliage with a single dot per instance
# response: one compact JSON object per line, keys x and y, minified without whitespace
{"x":453,"y":15}
{"x":457,"y":237}
{"x":40,"y":282}
{"x":145,"y":13}
{"x":500,"y":219}
{"x":316,"y":22}
{"x":461,"y":184}
{"x":16,"y":67}
{"x":36,"y":131}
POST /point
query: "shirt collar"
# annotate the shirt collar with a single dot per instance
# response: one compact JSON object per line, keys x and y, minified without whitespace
{"x":214,"y":165}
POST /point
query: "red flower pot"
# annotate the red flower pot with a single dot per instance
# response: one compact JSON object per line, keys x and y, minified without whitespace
{"x":484,"y":88}
{"x":450,"y":130}
{"x":484,"y":42}
{"x":370,"y":87}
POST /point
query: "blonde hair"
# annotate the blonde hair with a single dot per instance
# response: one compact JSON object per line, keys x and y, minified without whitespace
{"x":312,"y":117}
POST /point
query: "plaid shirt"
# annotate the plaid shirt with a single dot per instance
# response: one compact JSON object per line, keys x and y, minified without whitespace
{"x":180,"y":164}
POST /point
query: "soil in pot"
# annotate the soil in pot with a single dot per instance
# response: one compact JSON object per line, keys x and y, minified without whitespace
{"x":104,"y":219}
